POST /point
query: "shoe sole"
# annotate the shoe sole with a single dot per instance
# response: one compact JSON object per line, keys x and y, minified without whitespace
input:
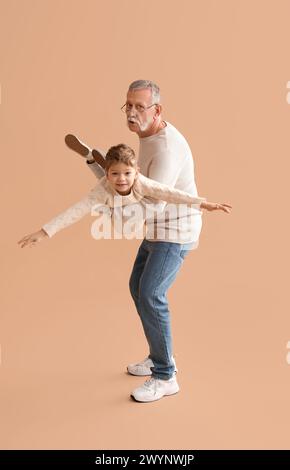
{"x":150,"y":401}
{"x":74,"y":144}
{"x":98,"y":157}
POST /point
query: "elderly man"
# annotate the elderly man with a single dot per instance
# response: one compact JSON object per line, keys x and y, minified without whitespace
{"x":165,"y":156}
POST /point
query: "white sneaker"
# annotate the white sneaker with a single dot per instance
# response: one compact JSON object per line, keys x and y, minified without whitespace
{"x":154,"y":389}
{"x":143,"y":367}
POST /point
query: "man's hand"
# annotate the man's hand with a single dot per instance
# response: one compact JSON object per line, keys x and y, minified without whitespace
{"x":33,"y":238}
{"x":214,"y":206}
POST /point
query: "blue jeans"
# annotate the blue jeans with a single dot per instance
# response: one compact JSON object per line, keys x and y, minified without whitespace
{"x":155,"y":268}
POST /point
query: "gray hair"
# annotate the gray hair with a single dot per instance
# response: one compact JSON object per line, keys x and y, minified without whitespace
{"x":155,"y":91}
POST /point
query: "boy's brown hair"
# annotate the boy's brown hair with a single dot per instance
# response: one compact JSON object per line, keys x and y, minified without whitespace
{"x":120,"y":153}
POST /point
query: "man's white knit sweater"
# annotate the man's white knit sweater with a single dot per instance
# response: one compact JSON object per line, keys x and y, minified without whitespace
{"x":166,"y":157}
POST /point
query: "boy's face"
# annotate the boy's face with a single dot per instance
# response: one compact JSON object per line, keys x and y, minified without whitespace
{"x":121,"y":177}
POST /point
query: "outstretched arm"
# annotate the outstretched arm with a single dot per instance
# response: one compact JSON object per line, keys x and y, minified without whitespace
{"x":163,"y":192}
{"x":70,"y":216}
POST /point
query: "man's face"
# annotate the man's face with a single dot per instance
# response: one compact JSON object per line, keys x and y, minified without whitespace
{"x":138,"y":100}
{"x":121,"y":177}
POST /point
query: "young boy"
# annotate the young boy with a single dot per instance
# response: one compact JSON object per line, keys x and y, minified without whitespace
{"x":121,"y":178}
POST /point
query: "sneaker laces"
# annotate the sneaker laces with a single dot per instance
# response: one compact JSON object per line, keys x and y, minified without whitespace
{"x":152,"y":381}
{"x":145,"y":361}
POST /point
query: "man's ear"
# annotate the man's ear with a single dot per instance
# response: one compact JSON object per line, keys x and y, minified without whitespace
{"x":158,"y":111}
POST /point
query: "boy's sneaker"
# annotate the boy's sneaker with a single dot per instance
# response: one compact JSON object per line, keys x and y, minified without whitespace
{"x":154,"y":389}
{"x":143,"y":367}
{"x":99,"y":158}
{"x":75,"y":144}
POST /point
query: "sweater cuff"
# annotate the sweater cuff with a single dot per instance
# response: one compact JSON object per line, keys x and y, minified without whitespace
{"x":49,"y":230}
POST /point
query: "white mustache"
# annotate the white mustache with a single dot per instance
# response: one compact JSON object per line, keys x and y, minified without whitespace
{"x":143,"y":126}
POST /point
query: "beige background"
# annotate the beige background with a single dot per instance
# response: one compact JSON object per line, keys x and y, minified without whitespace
{"x":68,"y":324}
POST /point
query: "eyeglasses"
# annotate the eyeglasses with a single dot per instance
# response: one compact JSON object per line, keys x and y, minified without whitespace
{"x":139,"y":108}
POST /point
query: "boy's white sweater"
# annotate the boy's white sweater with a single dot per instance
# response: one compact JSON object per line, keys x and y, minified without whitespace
{"x":145,"y":193}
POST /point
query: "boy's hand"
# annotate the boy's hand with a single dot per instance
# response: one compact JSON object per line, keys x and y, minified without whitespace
{"x":214,"y":206}
{"x":32,"y":239}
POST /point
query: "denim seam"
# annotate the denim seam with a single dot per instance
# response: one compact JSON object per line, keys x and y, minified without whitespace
{"x":154,"y":306}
